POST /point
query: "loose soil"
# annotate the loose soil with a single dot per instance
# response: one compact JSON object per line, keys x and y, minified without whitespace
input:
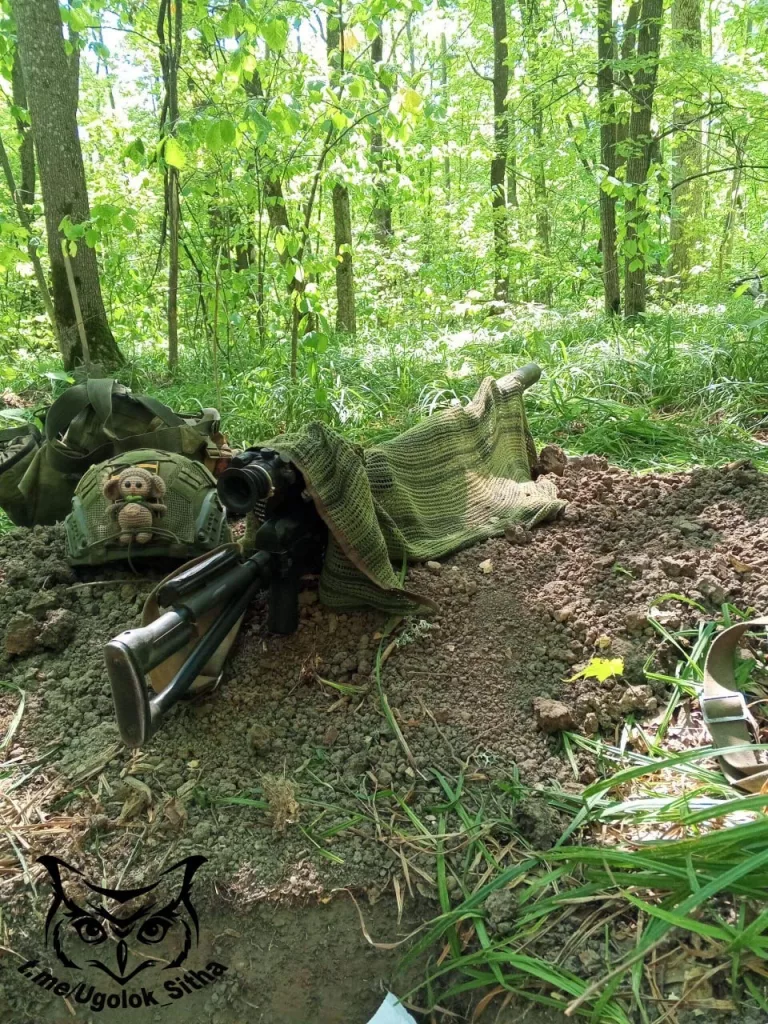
{"x":475,"y":687}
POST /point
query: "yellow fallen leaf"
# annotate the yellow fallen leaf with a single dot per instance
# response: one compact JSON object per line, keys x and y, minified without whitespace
{"x":600,"y":669}
{"x":486,"y":566}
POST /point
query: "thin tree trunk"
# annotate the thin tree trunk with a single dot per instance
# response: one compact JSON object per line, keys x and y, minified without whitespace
{"x":345,"y":281}
{"x":638,"y":161}
{"x":26,"y":144}
{"x":606,"y":52}
{"x":512,"y":200}
{"x":500,"y":143}
{"x":734,"y":193}
{"x":173,"y":267}
{"x":686,"y":209}
{"x":382,"y":210}
{"x":51,"y":79}
{"x":26,"y":223}
{"x":541,"y":198}
{"x":627,"y":53}
{"x":342,"y":216}
{"x":444,"y":92}
{"x":170,"y":59}
{"x":532,"y":22}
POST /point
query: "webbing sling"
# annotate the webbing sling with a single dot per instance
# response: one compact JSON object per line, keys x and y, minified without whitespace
{"x":99,"y":394}
{"x":725,"y":712}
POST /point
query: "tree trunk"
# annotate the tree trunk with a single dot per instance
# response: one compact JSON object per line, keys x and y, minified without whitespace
{"x":500,"y":142}
{"x":512,"y":200}
{"x":639,"y":142}
{"x":532,"y":23}
{"x":51,"y":81}
{"x":26,"y":190}
{"x":606,"y":53}
{"x":382,"y":210}
{"x":345,"y":281}
{"x":26,"y":223}
{"x":342,"y":216}
{"x":734,"y":199}
{"x":170,"y":59}
{"x":444,"y":98}
{"x":686,"y":143}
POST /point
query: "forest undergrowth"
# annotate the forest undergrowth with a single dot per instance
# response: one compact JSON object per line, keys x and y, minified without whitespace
{"x":681,"y":388}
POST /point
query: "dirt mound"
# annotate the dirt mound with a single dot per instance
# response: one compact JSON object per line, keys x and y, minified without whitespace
{"x":302,"y":716}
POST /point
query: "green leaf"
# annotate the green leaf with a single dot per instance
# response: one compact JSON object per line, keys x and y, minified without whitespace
{"x":15,"y":415}
{"x":91,"y":237}
{"x":128,"y":222}
{"x":220,"y":134}
{"x":635,"y":265}
{"x":275,"y":33}
{"x":412,"y":101}
{"x":280,"y":244}
{"x":228,"y":131}
{"x":600,"y":669}
{"x":105,"y":212}
{"x":134,"y":151}
{"x":174,"y":154}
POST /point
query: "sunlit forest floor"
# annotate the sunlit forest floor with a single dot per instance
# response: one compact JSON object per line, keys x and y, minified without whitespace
{"x":685,"y":387}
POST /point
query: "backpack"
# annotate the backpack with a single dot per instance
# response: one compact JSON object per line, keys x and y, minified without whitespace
{"x":182,"y":514}
{"x":86,"y":425}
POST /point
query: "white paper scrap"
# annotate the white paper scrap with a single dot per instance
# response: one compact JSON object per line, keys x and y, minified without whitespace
{"x":391,"y":1012}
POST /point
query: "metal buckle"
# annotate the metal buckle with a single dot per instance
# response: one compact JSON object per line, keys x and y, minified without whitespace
{"x":743,"y":716}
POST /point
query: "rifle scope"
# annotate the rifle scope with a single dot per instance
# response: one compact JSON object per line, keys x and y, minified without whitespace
{"x":254,"y":477}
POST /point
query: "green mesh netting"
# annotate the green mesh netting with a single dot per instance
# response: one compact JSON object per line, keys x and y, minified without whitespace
{"x":457,"y":478}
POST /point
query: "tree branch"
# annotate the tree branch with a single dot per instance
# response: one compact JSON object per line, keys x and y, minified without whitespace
{"x":720,"y":170}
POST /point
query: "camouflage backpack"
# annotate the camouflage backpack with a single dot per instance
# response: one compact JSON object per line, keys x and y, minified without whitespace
{"x":145,"y":503}
{"x":88,"y":423}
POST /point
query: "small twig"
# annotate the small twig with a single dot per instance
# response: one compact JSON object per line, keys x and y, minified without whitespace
{"x":76,"y":305}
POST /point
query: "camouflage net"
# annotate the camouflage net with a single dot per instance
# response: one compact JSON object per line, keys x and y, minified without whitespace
{"x":459,"y":477}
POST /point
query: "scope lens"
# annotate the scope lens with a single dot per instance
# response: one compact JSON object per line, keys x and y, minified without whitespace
{"x":240,"y":488}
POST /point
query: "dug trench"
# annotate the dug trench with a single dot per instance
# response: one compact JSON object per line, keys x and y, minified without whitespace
{"x":308,"y":780}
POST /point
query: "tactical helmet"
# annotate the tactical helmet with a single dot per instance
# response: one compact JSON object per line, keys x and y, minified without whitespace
{"x":141,"y":504}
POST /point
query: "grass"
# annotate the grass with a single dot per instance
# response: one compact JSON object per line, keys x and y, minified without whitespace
{"x":649,"y":902}
{"x":684,"y":387}
{"x":659,"y":878}
{"x":659,"y":871}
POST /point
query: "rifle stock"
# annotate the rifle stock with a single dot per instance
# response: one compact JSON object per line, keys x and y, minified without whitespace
{"x":287,"y":548}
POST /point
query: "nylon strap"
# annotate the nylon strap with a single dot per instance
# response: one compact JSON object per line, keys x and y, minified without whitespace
{"x":74,"y":401}
{"x":99,"y":394}
{"x":166,"y":439}
{"x":726,"y":714}
{"x":163,"y":412}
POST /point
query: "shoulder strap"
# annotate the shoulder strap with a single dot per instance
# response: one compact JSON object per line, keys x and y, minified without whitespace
{"x":99,"y":394}
{"x":726,"y":714}
{"x":96,"y":393}
{"x":163,"y":412}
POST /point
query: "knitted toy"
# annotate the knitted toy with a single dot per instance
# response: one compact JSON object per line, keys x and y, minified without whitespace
{"x":133,"y":495}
